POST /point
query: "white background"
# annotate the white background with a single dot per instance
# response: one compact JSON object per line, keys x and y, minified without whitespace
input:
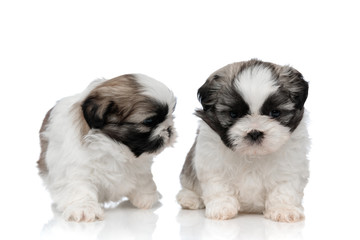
{"x":49,"y":50}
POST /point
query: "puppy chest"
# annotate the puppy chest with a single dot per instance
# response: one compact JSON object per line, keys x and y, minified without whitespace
{"x":251,"y":191}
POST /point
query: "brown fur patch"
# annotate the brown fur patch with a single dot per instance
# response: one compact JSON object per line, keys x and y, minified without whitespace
{"x":188,"y":177}
{"x":44,"y":142}
{"x":80,"y":121}
{"x":114,"y":101}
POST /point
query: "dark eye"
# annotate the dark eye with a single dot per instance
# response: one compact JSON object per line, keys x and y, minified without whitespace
{"x":275,"y":113}
{"x":149,"y":121}
{"x":234,"y":114}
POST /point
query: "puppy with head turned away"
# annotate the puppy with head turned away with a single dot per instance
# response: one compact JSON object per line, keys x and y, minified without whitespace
{"x":98,"y":146}
{"x":250,"y":153}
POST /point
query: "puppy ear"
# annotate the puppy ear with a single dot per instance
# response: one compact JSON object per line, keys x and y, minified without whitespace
{"x":208,"y":97}
{"x":293,"y":81}
{"x":96,"y":110}
{"x":208,"y":91}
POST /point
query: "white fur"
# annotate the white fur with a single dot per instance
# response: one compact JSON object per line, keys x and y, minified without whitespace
{"x":156,"y":89}
{"x":247,"y":85}
{"x":82,"y":174}
{"x":232,"y":182}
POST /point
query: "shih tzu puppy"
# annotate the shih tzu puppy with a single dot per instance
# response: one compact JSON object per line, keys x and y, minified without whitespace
{"x":98,"y":146}
{"x":250,"y":154}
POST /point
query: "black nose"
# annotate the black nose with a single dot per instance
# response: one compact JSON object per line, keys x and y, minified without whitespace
{"x":255,"y":135}
{"x":169,"y":130}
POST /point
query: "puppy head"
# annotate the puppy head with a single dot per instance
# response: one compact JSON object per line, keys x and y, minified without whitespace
{"x":253,"y":106}
{"x":134,"y":110}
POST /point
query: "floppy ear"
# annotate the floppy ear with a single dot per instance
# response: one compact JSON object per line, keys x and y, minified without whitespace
{"x":95,"y":111}
{"x":207,"y":93}
{"x":208,"y":97}
{"x":293,"y":81}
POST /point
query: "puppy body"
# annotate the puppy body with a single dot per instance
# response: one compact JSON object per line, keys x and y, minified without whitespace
{"x":231,"y":170}
{"x":85,"y":161}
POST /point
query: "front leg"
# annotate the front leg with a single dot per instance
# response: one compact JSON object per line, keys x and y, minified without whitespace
{"x":144,"y":195}
{"x":220,"y":200}
{"x":283,"y":203}
{"x":78,"y":201}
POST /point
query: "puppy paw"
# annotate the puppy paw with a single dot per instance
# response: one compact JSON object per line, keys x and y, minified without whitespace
{"x":286,"y":214}
{"x":222,"y":209}
{"x":83,"y":213}
{"x":189,"y":200}
{"x":144,"y":201}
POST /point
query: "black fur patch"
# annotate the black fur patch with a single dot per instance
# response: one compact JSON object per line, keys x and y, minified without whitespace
{"x":139,"y":142}
{"x":92,"y":113}
{"x":279,"y":101}
{"x":293,"y":89}
{"x":133,"y":134}
{"x":220,"y":105}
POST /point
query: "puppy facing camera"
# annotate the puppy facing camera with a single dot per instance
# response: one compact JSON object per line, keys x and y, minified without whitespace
{"x":250,"y":153}
{"x":98,"y":146}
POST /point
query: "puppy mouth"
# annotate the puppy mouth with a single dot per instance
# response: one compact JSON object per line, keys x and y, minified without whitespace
{"x":252,"y":144}
{"x":168,"y":134}
{"x":165,"y":134}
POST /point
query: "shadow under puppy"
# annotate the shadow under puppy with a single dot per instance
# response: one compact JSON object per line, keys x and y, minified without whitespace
{"x":98,"y":146}
{"x":250,"y":154}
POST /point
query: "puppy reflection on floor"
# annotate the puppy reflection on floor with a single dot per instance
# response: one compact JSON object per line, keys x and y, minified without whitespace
{"x":123,"y":221}
{"x":250,"y":154}
{"x":250,"y":226}
{"x":98,"y":146}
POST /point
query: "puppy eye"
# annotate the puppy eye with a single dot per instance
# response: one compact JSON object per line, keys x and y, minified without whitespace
{"x":149,"y":121}
{"x":275,"y":113}
{"x":234,"y":114}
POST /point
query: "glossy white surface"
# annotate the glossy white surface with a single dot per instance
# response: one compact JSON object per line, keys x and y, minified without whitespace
{"x":49,"y":50}
{"x":125,"y":222}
